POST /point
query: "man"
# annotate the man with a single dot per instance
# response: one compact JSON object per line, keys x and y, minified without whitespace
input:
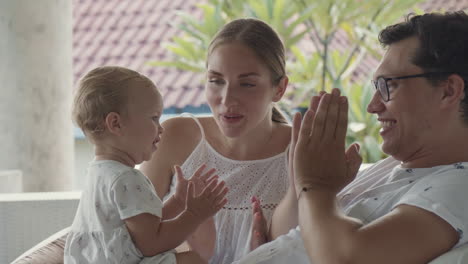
{"x":410,"y":212}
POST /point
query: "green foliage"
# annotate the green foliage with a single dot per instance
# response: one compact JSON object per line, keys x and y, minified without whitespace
{"x":309,"y":29}
{"x":190,"y":49}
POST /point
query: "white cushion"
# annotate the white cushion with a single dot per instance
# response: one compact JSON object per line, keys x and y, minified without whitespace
{"x":455,"y":256}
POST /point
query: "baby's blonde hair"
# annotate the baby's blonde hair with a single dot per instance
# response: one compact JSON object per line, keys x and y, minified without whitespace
{"x":102,"y":91}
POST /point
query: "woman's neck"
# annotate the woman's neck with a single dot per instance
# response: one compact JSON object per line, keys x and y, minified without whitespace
{"x":257,"y":144}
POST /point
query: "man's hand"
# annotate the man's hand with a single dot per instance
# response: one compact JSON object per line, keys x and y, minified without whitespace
{"x":320,"y":160}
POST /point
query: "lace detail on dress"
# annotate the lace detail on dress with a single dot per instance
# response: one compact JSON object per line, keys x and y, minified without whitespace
{"x":263,"y":206}
{"x":266,"y":179}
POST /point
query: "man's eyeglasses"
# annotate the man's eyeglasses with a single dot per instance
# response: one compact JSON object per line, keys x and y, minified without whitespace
{"x":381,"y":83}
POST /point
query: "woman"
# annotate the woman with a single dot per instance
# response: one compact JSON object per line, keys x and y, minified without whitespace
{"x":246,"y":140}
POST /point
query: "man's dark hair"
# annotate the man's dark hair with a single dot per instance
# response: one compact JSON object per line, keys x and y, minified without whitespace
{"x":443,"y":46}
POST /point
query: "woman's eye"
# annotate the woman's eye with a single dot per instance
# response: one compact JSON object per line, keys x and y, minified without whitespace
{"x":155,"y":119}
{"x":216,"y":81}
{"x":247,"y":84}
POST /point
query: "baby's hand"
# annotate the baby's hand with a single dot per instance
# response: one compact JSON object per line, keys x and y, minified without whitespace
{"x":200,"y":179}
{"x":208,"y":202}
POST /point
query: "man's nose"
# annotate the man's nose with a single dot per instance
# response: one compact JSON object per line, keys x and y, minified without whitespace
{"x":376,"y":104}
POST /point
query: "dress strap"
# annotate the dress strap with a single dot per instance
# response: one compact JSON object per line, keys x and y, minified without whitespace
{"x":196,"y":121}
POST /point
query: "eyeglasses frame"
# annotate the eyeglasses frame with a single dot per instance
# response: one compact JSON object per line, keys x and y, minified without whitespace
{"x":386,"y":79}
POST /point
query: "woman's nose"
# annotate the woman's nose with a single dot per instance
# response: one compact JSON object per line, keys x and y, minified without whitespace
{"x":229,"y":96}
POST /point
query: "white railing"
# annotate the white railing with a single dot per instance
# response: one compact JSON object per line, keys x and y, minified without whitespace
{"x":28,"y":218}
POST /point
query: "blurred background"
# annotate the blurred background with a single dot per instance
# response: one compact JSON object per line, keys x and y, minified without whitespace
{"x":47,"y":46}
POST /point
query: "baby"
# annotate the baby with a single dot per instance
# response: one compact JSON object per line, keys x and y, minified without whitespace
{"x":120,"y":218}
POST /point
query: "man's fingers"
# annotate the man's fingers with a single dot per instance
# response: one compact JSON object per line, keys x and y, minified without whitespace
{"x":315,"y":100}
{"x":342,"y":125}
{"x":306,"y":127}
{"x":296,"y":126}
{"x":353,"y":159}
{"x":320,"y":117}
{"x":331,"y":116}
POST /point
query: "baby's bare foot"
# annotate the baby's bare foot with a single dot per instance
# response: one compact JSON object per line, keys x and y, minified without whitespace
{"x":259,"y":225}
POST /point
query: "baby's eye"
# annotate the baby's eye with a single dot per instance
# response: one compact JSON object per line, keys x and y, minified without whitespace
{"x":155,"y":119}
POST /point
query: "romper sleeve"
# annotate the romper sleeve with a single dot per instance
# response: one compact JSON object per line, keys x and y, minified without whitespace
{"x":133,"y":194}
{"x":444,"y":194}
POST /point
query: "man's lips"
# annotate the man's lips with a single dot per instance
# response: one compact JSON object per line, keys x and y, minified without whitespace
{"x":387,"y":124}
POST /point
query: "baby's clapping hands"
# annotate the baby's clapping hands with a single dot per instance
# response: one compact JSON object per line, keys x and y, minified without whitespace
{"x":202,"y":194}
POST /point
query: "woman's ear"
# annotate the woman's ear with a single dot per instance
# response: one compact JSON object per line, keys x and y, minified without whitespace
{"x":281,"y":88}
{"x":453,"y":91}
{"x":113,"y":123}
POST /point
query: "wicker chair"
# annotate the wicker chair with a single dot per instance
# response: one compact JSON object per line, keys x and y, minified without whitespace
{"x":50,"y":251}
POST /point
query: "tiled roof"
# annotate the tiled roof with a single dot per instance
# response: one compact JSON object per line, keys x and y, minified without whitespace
{"x":130,"y":33}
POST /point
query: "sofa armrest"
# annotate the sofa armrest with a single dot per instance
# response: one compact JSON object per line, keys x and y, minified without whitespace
{"x":49,"y":251}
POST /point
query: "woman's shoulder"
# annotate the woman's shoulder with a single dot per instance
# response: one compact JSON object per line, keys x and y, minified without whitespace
{"x":283,"y":132}
{"x":184,"y":120}
{"x":179,"y":122}
{"x":180,"y":131}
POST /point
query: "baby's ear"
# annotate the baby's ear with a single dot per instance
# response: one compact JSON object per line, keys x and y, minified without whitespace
{"x":113,"y":123}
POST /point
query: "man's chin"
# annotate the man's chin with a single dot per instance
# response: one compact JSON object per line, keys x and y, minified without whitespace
{"x":388,"y":148}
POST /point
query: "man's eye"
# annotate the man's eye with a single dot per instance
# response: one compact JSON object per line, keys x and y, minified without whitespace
{"x":391,"y":86}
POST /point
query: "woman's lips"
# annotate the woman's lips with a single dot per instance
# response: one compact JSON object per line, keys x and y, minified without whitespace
{"x":231,"y":118}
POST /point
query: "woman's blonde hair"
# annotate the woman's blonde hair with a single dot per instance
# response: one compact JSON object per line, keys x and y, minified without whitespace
{"x":101,"y":91}
{"x":263,"y":41}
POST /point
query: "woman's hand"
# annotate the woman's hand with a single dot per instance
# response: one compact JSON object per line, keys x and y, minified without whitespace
{"x":259,"y":229}
{"x":320,"y":160}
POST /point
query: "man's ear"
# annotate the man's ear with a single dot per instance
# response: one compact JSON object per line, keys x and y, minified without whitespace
{"x":281,"y":89}
{"x":453,"y":91}
{"x":113,"y":123}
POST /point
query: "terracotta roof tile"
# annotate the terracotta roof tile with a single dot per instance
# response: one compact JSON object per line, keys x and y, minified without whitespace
{"x":131,"y":32}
